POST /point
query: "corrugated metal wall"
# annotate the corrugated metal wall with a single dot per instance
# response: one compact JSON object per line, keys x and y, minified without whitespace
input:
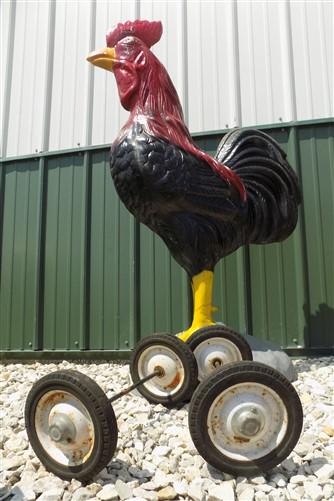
{"x":78,"y":273}
{"x":233,"y":63}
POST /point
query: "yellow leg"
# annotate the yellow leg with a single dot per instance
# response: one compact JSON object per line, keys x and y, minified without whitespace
{"x":202,"y":295}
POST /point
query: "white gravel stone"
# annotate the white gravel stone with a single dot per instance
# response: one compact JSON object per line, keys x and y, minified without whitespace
{"x":136,"y":499}
{"x":45,"y":483}
{"x":161,"y":450}
{"x":55,"y":494}
{"x":261,"y":496}
{"x":196,"y":490}
{"x":166,"y":493}
{"x":160,"y":479}
{"x":149,"y":467}
{"x":247,"y":494}
{"x":258,"y":480}
{"x":325,"y":473}
{"x":123,"y":490}
{"x":108,"y":493}
{"x":328,"y":491}
{"x":13,"y":463}
{"x":222,"y":492}
{"x":296,"y":492}
{"x":313,"y":491}
{"x":278,"y":495}
{"x":148,"y":495}
{"x":16,"y":444}
{"x":26,"y":492}
{"x":279,"y":480}
{"x":82,"y":494}
{"x":263,"y":488}
{"x":181,"y":487}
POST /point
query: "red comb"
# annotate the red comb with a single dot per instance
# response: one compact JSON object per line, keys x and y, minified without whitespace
{"x":148,"y":31}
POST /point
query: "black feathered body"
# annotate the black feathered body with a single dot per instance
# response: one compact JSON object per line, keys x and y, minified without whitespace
{"x":195,"y":211}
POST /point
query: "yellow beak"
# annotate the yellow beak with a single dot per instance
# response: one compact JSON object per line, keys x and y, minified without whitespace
{"x":104,"y":58}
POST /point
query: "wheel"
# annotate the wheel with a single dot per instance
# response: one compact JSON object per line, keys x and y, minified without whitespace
{"x":215,"y":346}
{"x":70,"y":425}
{"x":245,"y":418}
{"x":178,"y":365}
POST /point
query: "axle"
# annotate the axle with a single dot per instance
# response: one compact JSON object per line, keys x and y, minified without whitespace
{"x":158,"y":372}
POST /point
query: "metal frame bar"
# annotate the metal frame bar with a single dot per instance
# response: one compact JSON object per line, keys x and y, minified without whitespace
{"x":83,"y":149}
{"x":124,"y":355}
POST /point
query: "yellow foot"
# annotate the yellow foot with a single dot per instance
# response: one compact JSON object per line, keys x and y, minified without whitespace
{"x":185,"y":335}
{"x":202,"y":296}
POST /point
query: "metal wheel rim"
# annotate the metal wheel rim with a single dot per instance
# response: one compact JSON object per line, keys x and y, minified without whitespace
{"x":215,"y":349}
{"x":159,"y":356}
{"x":233,"y":409}
{"x":64,"y":428}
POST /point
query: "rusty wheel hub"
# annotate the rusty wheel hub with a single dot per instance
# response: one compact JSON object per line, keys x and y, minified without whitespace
{"x":214,"y":353}
{"x":64,"y":428}
{"x":247,"y":421}
{"x":169,"y":365}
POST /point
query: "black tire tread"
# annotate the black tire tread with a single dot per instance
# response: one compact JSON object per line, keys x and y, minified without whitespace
{"x":202,"y":393}
{"x":101,"y":405}
{"x":232,"y":335}
{"x":190,"y":367}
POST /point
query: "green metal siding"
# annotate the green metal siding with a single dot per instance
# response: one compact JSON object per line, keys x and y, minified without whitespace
{"x":19,"y":256}
{"x":78,"y":273}
{"x":163,"y":288}
{"x":111,"y":294}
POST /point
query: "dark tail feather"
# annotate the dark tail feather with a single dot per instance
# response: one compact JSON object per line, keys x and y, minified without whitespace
{"x":271,"y":184}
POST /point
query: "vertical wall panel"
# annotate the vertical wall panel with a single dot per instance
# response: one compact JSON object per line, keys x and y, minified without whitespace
{"x":316,"y":150}
{"x":210,"y":66}
{"x":18,"y":292}
{"x":230,"y":292}
{"x":69,"y":84}
{"x":28,"y":77}
{"x":4,"y":69}
{"x":169,"y":48}
{"x":262,"y":62}
{"x":112,"y":264}
{"x":312,"y":36}
{"x":64,"y":254}
{"x":164,"y":302}
{"x":277,"y":276}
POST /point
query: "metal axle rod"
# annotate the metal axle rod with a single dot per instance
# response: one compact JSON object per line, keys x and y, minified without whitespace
{"x":135,"y":385}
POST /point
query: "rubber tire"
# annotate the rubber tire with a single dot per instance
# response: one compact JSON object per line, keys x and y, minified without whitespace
{"x":101,"y":413}
{"x":221,"y":331}
{"x":230,"y":375}
{"x":187,"y":358}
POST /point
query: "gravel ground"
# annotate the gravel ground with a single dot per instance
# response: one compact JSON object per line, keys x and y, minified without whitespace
{"x":155,"y":457}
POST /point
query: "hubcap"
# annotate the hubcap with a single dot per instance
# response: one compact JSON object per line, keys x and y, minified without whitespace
{"x":214,"y":353}
{"x":168,"y":363}
{"x":247,"y":421}
{"x":64,"y":428}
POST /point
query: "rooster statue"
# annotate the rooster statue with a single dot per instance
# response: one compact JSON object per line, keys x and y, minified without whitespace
{"x":203,"y":207}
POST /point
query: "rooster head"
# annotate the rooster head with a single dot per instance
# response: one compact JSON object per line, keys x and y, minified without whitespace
{"x":146,"y":90}
{"x":128,"y":56}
